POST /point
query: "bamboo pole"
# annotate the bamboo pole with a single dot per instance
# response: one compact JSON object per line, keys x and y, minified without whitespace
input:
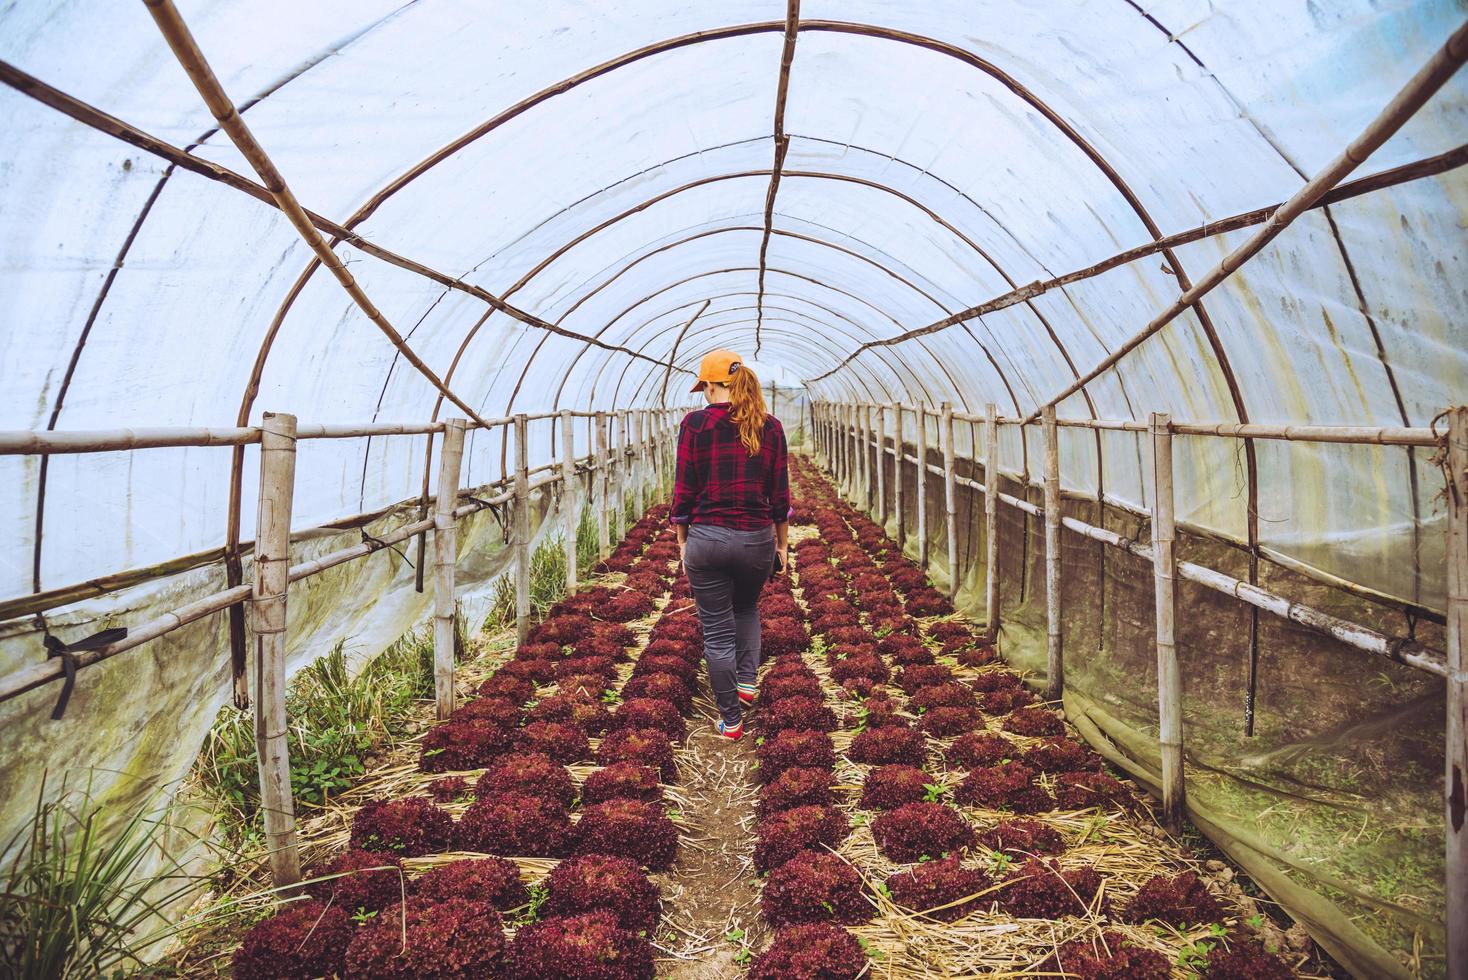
{"x":522,"y":529}
{"x":445,"y":562}
{"x":659,"y":452}
{"x":171,"y":25}
{"x":1164,"y":572}
{"x":569,"y":514}
{"x":864,"y":428}
{"x":268,"y":606}
{"x":921,"y":415}
{"x":1054,"y":640}
{"x":881,"y":411}
{"x":1443,"y":64}
{"x":644,"y":468}
{"x":602,"y":478}
{"x":991,"y":519}
{"x":899,"y":446}
{"x":619,"y":514}
{"x":950,"y":500}
{"x":1456,"y":785}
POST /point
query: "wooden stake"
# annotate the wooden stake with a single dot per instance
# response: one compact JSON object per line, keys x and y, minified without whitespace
{"x":1164,"y":572}
{"x":522,"y":529}
{"x":268,"y":605}
{"x":882,"y":465}
{"x":1054,"y":642}
{"x":568,"y":497}
{"x":620,"y":476}
{"x":603,"y":486}
{"x":659,"y":447}
{"x":991,"y":519}
{"x":864,"y":459}
{"x":950,"y":500}
{"x":921,"y":414}
{"x":899,"y":444}
{"x":445,"y":563}
{"x":644,"y":483}
{"x":1456,"y":785}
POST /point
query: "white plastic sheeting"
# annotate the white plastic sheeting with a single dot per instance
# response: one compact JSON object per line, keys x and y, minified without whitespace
{"x":972,"y":147}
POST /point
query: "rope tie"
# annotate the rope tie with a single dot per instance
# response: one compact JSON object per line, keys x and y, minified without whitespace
{"x":67,"y":653}
{"x":377,"y":544}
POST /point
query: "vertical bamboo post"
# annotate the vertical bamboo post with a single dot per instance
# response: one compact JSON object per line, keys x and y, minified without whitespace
{"x":644,"y":459}
{"x":1169,"y":677}
{"x":899,"y":466}
{"x":921,"y":414}
{"x":568,"y":497}
{"x":659,"y":451}
{"x":620,"y":470}
{"x":882,"y":465}
{"x":445,"y":563}
{"x":522,"y":528}
{"x":950,"y":499}
{"x":991,"y":519}
{"x":838,"y":420}
{"x":603,"y":486}
{"x":864,"y":460}
{"x":268,"y":608}
{"x":1456,"y":786}
{"x":1054,"y":641}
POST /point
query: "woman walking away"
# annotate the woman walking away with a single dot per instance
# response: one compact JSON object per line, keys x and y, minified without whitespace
{"x":731,"y":505}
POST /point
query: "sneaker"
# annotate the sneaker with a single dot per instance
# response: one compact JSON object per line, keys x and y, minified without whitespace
{"x":746,"y":694}
{"x":733,"y":733}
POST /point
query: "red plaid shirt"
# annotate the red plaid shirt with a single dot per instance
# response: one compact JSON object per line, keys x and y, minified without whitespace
{"x":718,"y":482}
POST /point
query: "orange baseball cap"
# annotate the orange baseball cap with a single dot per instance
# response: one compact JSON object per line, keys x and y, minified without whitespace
{"x":718,"y":366}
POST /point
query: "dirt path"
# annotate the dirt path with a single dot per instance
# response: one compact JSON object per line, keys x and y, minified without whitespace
{"x":710,"y":897}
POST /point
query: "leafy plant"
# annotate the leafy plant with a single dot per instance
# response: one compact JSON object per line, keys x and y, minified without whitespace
{"x":82,"y":898}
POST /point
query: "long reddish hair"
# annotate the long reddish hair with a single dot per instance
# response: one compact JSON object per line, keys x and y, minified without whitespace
{"x":747,"y":407}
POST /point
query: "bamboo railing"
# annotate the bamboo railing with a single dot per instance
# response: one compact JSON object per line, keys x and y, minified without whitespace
{"x":634,"y":466}
{"x":839,"y":439}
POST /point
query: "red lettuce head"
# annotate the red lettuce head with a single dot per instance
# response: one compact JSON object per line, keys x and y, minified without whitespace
{"x":650,"y":713}
{"x":792,"y":749}
{"x":301,"y":941}
{"x":579,"y":710}
{"x":1039,"y":889}
{"x":798,"y":786}
{"x":815,"y":886}
{"x":643,"y":746}
{"x":531,"y":774}
{"x":977,"y":750}
{"x":604,"y":882}
{"x":368,"y":880}
{"x":889,"y":744}
{"x":514,"y":825}
{"x":448,"y":941}
{"x":781,"y":836}
{"x":944,"y":890}
{"x":630,"y":829}
{"x":1180,"y":901}
{"x":563,"y":743}
{"x":589,"y":947}
{"x":889,"y":787}
{"x":917,"y":830}
{"x":622,"y":781}
{"x":408,"y":827}
{"x":816,"y":949}
{"x":466,"y":744}
{"x":493,"y":880}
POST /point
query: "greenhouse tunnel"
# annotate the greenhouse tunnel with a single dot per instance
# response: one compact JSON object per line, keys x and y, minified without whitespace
{"x":1140,"y":326}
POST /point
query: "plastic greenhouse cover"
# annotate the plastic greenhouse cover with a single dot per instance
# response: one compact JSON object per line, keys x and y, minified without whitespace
{"x":976,"y":146}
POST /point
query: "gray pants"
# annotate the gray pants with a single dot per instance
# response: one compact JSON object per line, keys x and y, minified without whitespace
{"x":726,"y":570}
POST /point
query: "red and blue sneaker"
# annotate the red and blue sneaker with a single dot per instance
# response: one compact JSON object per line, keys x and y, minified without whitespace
{"x":746,"y":694}
{"x":732,"y":732}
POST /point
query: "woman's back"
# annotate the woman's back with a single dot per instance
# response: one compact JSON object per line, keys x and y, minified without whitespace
{"x":720,"y":482}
